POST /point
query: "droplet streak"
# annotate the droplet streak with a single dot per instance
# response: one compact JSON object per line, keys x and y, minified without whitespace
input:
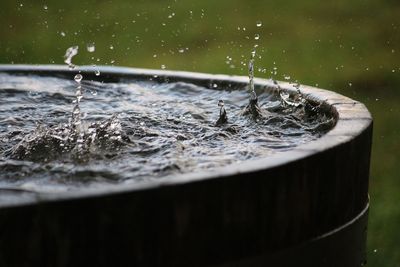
{"x":253,"y":95}
{"x":69,"y":54}
{"x":76,"y":111}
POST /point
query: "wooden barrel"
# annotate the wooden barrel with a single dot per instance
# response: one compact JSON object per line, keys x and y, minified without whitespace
{"x":303,"y":207}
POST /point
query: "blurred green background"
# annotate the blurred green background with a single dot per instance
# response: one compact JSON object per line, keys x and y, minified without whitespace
{"x":352,"y":47}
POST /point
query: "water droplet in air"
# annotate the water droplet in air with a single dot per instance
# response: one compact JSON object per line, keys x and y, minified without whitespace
{"x":163,"y":67}
{"x":78,"y":78}
{"x":111,"y":47}
{"x":62,"y":34}
{"x":45,"y":7}
{"x":69,"y":54}
{"x":90,"y":47}
{"x":97,"y":72}
{"x":259,"y":23}
{"x":256,"y":36}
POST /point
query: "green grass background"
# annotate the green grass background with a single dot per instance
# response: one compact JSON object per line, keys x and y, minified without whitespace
{"x":352,"y":47}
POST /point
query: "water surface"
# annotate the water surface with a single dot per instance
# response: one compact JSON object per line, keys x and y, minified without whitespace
{"x":136,"y":131}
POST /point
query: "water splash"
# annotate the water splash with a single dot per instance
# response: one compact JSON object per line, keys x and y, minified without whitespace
{"x":63,"y":142}
{"x":288,"y":100}
{"x":291,"y":99}
{"x":252,"y":108}
{"x":223,"y":118}
{"x":69,"y":54}
{"x":253,"y":95}
{"x":76,"y":111}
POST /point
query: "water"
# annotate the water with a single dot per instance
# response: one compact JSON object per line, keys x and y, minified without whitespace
{"x":69,"y":54}
{"x":223,"y":118}
{"x":90,"y":47}
{"x":76,"y":112}
{"x":134,"y":131}
{"x":252,"y":108}
{"x":253,"y":95}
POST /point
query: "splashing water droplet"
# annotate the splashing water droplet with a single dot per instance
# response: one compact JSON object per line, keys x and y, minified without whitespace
{"x":78,"y":78}
{"x":258,"y":23}
{"x":223,"y":118}
{"x":251,"y":75}
{"x":252,"y":108}
{"x":163,"y":67}
{"x":45,"y":7}
{"x":96,"y":70}
{"x":69,"y":54}
{"x":62,"y":34}
{"x":256,"y":36}
{"x":76,"y":111}
{"x":90,"y":47}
